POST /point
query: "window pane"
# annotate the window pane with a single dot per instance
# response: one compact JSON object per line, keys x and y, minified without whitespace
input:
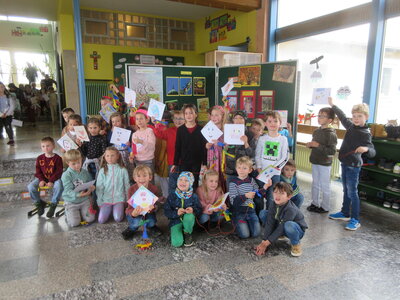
{"x":295,"y":11}
{"x":5,"y":67}
{"x":135,"y":31}
{"x":38,"y":59}
{"x":389,"y":92}
{"x":179,"y":35}
{"x":95,"y":28}
{"x":343,"y":64}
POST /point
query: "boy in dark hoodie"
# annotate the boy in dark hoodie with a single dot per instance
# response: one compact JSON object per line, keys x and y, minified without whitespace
{"x":283,"y":218}
{"x":356,"y":142}
{"x":323,"y":149}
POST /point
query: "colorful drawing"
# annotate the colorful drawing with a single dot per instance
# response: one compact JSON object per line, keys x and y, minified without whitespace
{"x":67,"y":143}
{"x":143,"y":198}
{"x":147,"y":82}
{"x":172,"y":104}
{"x":233,"y":133}
{"x":247,"y":103}
{"x":199,"y":86}
{"x":320,"y":96}
{"x":222,"y":34}
{"x":120,"y":136}
{"x":227,"y":87}
{"x":81,"y":133}
{"x":284,"y":117}
{"x":211,"y":132}
{"x":213,"y":36}
{"x":219,"y":203}
{"x":84,"y":186}
{"x":265,"y":102}
{"x":156,"y":109}
{"x":203,"y":104}
{"x":214,"y":23}
{"x":284,"y":73}
{"x":266,"y":174}
{"x":250,"y":75}
{"x":223,"y":20}
{"x":172,"y":86}
{"x":130,"y":97}
{"x":232,"y":100}
{"x":106,"y":111}
{"x":185,"y":86}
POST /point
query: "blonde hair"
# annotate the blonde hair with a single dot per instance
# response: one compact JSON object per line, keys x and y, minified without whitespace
{"x":244,"y":160}
{"x":142,"y":169}
{"x":72,"y":155}
{"x":103,"y":162}
{"x":361,"y":108}
{"x":208,"y":174}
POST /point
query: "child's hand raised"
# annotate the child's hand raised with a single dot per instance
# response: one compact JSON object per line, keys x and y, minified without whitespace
{"x":137,"y":211}
{"x":250,"y":195}
{"x":181,"y":211}
{"x":330,"y":101}
{"x":189,"y":210}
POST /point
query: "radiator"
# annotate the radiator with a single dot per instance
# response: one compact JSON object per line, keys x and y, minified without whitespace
{"x":95,"y":89}
{"x":303,"y":161}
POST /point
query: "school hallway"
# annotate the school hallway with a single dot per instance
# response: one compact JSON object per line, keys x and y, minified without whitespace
{"x":43,"y":259}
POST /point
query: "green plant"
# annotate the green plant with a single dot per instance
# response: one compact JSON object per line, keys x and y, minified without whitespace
{"x":31,"y":72}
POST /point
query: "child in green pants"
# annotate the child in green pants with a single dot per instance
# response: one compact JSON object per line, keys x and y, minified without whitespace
{"x":181,"y":209}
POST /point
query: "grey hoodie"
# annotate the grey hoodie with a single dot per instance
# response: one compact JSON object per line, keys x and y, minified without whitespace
{"x":327,"y":140}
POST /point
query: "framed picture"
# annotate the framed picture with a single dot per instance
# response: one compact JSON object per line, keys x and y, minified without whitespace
{"x":232,"y":100}
{"x":214,"y":23}
{"x":248,"y":103}
{"x":185,"y":86}
{"x":265,"y":102}
{"x":199,"y":86}
{"x":250,"y":75}
{"x":172,"y":84}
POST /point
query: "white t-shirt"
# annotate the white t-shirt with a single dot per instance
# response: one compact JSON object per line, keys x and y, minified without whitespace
{"x":271,"y":151}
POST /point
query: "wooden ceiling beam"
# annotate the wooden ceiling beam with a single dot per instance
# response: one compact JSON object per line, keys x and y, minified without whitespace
{"x":240,"y":5}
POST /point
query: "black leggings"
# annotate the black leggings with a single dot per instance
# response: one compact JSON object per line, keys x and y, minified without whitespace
{"x":6,"y":122}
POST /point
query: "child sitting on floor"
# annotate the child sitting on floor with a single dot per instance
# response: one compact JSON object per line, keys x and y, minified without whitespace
{"x":209,"y":192}
{"x":181,"y":209}
{"x":77,"y":204}
{"x":283,"y":218}
{"x":288,"y":175}
{"x":142,"y":176}
{"x":49,"y":168}
{"x":112,"y":186}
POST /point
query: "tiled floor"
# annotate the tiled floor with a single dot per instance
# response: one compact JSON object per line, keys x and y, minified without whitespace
{"x":42,"y":258}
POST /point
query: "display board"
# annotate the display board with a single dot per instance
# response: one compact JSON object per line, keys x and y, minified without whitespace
{"x":173,"y":85}
{"x":262,"y":87}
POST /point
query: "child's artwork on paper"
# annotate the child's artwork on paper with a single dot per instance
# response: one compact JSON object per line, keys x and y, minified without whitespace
{"x":211,"y":132}
{"x":143,"y":198}
{"x":320,"y":96}
{"x":107,"y":111}
{"x":67,"y":143}
{"x":227,"y":87}
{"x":284,"y":73}
{"x":185,"y":86}
{"x":84,"y":186}
{"x":250,"y":76}
{"x":203,"y":104}
{"x":156,"y":109}
{"x":172,"y":86}
{"x":147,"y":82}
{"x":130,"y":97}
{"x":266,"y":174}
{"x":120,"y":136}
{"x":219,"y":203}
{"x":199,"y":86}
{"x":284,"y":117}
{"x":233,"y":133}
{"x":81,"y":133}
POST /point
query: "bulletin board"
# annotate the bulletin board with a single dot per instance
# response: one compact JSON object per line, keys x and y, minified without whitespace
{"x":182,"y":84}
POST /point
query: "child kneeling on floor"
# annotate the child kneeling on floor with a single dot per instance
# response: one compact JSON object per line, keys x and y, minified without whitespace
{"x":142,"y":175}
{"x":77,"y":204}
{"x":49,"y":168}
{"x":283,"y":218}
{"x":181,"y":209}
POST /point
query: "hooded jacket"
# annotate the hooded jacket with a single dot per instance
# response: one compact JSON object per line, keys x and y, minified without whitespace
{"x":327,"y":140}
{"x":112,"y":187}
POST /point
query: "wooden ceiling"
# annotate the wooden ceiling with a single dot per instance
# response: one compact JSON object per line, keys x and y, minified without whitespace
{"x":240,"y":5}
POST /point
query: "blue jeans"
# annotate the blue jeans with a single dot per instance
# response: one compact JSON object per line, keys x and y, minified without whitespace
{"x":247,"y":224}
{"x":135,"y":221}
{"x":293,"y":231}
{"x":350,"y":192}
{"x":92,"y":170}
{"x":263,"y":216}
{"x":298,"y":199}
{"x":214,"y":217}
{"x":35,"y":194}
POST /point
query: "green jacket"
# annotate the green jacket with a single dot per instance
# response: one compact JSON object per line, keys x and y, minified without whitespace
{"x":70,"y":180}
{"x":112,"y":187}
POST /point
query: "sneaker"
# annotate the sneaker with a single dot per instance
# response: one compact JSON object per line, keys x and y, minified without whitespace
{"x":11,"y":143}
{"x":396,"y":204}
{"x":155,"y":231}
{"x":127,"y":233}
{"x":52,"y":210}
{"x":40,"y":207}
{"x":312,"y":208}
{"x":339,"y":216}
{"x":320,"y":210}
{"x":396,"y":168}
{"x":188,"y":239}
{"x":387,"y":204}
{"x":296,"y":250}
{"x":353,"y":224}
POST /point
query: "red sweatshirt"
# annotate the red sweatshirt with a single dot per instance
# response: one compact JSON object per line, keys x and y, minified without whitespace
{"x":168,"y":134}
{"x":49,"y":169}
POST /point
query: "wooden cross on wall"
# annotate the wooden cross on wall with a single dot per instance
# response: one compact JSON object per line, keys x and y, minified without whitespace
{"x":95,"y":56}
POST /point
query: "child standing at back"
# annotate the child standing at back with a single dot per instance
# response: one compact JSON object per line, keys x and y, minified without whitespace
{"x":144,"y":139}
{"x":272,"y":148}
{"x":142,"y":175}
{"x":77,"y":204}
{"x":190,"y":150}
{"x":181,"y":209}
{"x":112,"y":186}
{"x":323,"y":148}
{"x":209,"y":192}
{"x":49,"y":168}
{"x":356,"y":142}
{"x":288,"y":175}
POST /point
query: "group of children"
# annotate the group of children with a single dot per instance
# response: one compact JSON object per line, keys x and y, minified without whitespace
{"x":120,"y":170}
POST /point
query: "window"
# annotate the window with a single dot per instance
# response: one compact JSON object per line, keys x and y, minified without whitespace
{"x":5,"y":67}
{"x":136,"y":31}
{"x":388,"y":106}
{"x":38,"y":59}
{"x":295,"y":11}
{"x":179,"y":35}
{"x":96,"y":28}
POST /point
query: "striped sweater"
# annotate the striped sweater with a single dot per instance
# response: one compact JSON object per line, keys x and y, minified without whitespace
{"x":293,"y":182}
{"x":237,"y":190}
